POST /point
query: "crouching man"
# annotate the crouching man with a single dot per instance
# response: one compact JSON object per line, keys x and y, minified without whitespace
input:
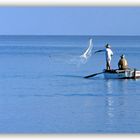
{"x":122,"y":64}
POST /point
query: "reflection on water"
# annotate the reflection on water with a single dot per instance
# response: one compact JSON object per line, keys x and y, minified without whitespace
{"x":115,"y":108}
{"x":110,"y":103}
{"x":113,"y":85}
{"x":109,"y":86}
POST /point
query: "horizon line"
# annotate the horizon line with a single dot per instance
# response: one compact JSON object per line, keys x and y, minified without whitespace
{"x":61,"y":35}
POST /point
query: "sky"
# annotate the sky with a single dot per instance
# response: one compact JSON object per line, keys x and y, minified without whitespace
{"x":69,"y":20}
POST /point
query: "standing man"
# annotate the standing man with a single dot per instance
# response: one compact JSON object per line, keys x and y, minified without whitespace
{"x":108,"y":53}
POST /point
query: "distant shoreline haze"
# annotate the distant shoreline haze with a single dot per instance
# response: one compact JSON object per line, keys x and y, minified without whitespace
{"x":55,"y":41}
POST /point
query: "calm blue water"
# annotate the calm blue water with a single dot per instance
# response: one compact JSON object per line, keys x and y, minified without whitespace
{"x":42,"y":89}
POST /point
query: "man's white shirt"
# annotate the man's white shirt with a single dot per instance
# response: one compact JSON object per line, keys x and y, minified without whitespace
{"x":109,"y":53}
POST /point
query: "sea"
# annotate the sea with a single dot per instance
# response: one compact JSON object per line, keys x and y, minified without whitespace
{"x":43,"y":89}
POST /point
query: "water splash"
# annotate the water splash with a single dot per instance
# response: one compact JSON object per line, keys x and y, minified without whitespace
{"x":82,"y":59}
{"x":85,"y":56}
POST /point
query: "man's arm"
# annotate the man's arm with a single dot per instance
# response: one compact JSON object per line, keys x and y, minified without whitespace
{"x":98,"y":51}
